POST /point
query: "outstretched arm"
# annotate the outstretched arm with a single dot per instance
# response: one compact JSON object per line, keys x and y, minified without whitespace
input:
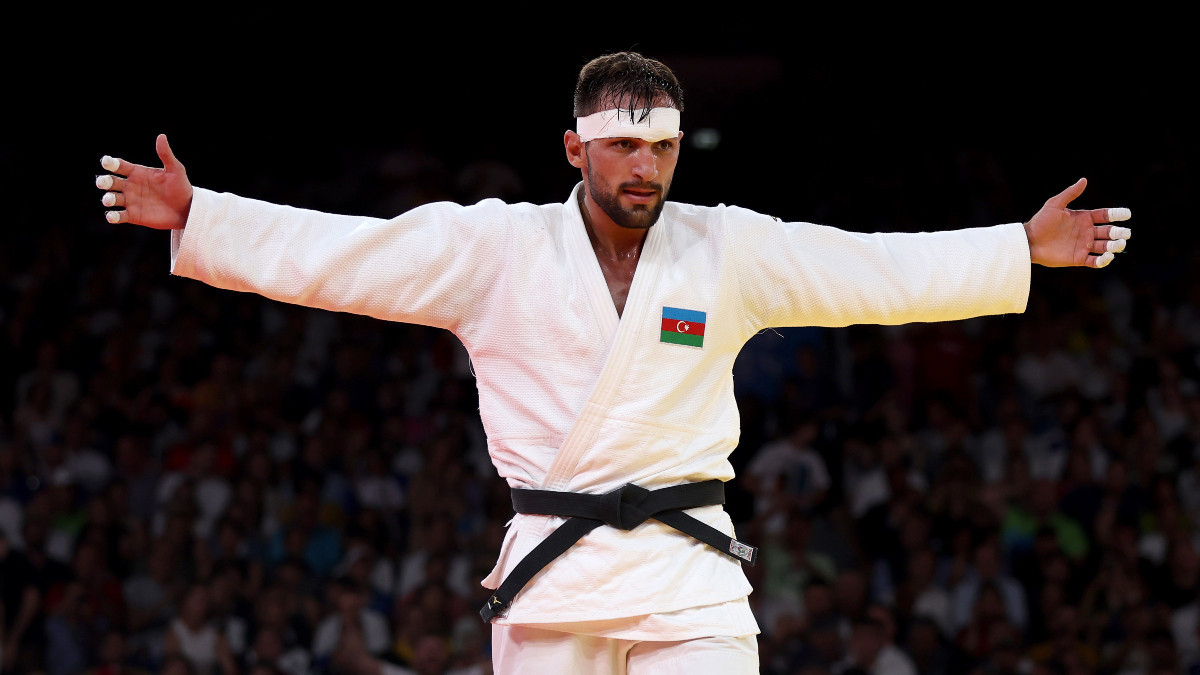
{"x":1061,"y":237}
{"x":150,"y":197}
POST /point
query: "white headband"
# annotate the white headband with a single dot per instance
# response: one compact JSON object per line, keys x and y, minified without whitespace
{"x":658,"y":124}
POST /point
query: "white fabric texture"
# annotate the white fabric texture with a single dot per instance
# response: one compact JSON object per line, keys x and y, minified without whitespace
{"x":572,"y":396}
{"x":515,"y":647}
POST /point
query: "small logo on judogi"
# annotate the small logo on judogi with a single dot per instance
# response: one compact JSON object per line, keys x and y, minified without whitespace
{"x":683,"y":326}
{"x":741,"y":550}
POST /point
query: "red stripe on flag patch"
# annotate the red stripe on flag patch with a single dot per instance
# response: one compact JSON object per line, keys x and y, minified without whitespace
{"x":685,"y":327}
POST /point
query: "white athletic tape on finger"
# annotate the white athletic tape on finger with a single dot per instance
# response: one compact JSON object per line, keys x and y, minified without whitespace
{"x":1119,"y":214}
{"x":109,"y":199}
{"x":113,"y":216}
{"x":1116,"y":246}
{"x":655,"y":124}
{"x":1117,"y":232}
{"x":1104,"y":259}
{"x":110,"y":163}
{"x":104,"y":182}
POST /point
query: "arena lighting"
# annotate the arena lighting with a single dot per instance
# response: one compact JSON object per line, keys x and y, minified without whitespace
{"x":706,"y":138}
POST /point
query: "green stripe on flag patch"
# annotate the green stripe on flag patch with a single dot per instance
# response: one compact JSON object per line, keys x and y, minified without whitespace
{"x":682,"y":338}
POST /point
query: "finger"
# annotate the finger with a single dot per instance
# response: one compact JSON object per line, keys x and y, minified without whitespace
{"x":113,"y":199}
{"x":116,"y":165}
{"x":1113,"y":232}
{"x":1099,"y":246}
{"x":1101,"y":260}
{"x":110,"y":182}
{"x":1110,"y":215}
{"x":170,"y":163}
{"x":1062,"y":199}
{"x":116,"y":217}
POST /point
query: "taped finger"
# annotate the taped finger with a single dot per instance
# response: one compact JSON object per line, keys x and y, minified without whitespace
{"x":110,"y":163}
{"x":114,"y":217}
{"x":1116,"y":232}
{"x":1103,"y":260}
{"x":1119,"y":214}
{"x":1114,"y":246}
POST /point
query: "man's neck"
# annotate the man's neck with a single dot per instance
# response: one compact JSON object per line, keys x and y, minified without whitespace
{"x":617,"y":255}
{"x":609,"y":240}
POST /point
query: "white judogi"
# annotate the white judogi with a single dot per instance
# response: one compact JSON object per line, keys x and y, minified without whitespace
{"x":573,"y":397}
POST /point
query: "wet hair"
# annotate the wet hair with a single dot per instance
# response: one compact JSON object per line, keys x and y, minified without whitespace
{"x":625,"y":80}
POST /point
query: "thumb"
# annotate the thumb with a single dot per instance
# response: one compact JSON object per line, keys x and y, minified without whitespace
{"x":1062,"y":199}
{"x":170,"y":163}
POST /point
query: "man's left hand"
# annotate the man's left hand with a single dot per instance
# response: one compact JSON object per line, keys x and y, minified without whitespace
{"x":1061,"y":237}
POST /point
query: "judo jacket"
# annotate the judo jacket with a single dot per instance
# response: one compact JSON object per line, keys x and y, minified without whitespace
{"x":573,"y":397}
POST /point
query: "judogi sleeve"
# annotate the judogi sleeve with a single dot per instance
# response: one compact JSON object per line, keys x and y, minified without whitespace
{"x":801,"y":274}
{"x":429,"y":266}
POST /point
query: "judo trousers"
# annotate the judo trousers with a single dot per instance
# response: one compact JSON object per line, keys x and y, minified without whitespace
{"x":523,"y":649}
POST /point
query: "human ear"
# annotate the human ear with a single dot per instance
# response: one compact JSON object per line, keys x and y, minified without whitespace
{"x":573,"y":145}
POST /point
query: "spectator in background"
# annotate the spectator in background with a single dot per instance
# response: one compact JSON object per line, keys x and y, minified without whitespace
{"x":22,"y":639}
{"x":788,"y":564}
{"x":1065,"y":647}
{"x":194,"y":639}
{"x":1040,"y":511}
{"x":152,"y":595}
{"x":787,"y":471}
{"x":304,"y":536}
{"x":930,"y":651}
{"x":923,"y":596}
{"x":1006,"y":656}
{"x":871,"y":651}
{"x":434,"y":557}
{"x":113,"y":657}
{"x":288,"y":638}
{"x":349,"y":625}
{"x":976,"y":637}
{"x":987,"y":567}
{"x":228,"y":610}
{"x":268,"y":653}
{"x":67,"y":631}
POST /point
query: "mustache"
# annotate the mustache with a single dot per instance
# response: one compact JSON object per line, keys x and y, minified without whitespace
{"x":633,"y":185}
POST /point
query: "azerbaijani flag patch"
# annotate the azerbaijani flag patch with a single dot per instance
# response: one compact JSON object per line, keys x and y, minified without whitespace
{"x":683,"y":327}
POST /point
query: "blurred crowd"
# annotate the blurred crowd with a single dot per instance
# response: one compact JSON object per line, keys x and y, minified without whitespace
{"x":200,"y":481}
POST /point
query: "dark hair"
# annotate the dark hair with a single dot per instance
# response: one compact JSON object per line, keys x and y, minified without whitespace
{"x":624,"y":80}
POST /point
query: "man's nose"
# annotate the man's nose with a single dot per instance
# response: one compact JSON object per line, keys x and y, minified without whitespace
{"x":645,"y":165}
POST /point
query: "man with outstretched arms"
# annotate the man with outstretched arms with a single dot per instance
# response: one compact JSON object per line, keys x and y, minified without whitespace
{"x":603,"y":332}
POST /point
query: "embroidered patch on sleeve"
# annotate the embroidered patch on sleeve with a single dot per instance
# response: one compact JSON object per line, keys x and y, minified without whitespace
{"x":683,"y":326}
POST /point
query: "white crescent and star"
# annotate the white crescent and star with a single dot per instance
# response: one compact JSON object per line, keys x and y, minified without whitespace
{"x":682,"y":327}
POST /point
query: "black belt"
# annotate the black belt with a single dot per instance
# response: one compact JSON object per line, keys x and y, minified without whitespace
{"x":625,"y":508}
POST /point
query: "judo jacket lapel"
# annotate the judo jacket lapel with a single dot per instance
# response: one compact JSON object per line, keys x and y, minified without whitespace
{"x":620,"y":333}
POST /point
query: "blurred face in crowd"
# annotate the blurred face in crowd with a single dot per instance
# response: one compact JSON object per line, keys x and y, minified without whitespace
{"x":923,"y":640}
{"x":866,"y":640}
{"x":431,"y":657}
{"x":194,"y":611}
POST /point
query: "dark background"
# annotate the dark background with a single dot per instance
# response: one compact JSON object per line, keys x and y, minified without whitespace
{"x":879,"y":119}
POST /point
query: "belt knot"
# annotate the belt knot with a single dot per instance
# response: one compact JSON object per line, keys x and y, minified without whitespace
{"x":621,"y":507}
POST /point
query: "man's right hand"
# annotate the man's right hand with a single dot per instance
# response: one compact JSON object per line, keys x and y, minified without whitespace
{"x":155,"y":198}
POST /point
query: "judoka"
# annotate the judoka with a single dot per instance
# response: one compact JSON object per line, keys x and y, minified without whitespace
{"x":603,"y":332}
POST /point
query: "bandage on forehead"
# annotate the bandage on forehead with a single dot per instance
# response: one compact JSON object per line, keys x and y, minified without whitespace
{"x":655,"y":124}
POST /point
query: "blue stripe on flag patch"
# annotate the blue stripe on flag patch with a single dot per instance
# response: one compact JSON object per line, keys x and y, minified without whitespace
{"x":683,"y":314}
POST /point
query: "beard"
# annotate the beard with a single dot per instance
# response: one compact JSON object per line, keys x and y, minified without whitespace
{"x":637,"y":217}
